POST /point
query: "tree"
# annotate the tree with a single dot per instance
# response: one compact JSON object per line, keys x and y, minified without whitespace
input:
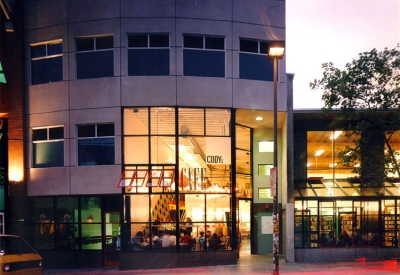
{"x":366,"y":96}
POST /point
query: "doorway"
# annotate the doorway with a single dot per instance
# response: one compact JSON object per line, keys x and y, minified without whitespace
{"x":112,"y":238}
{"x":244,"y":227}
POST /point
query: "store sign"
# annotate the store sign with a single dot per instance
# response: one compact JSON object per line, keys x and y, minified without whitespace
{"x":218,"y":150}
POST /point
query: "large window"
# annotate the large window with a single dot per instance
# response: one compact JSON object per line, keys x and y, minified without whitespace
{"x":204,"y":56}
{"x":48,"y":147}
{"x":254,"y":63}
{"x":68,"y":223}
{"x":94,"y":57}
{"x":148,"y":54}
{"x":329,"y":176}
{"x":46,"y":63}
{"x":96,"y":144}
{"x":346,"y":223}
{"x":194,"y":162}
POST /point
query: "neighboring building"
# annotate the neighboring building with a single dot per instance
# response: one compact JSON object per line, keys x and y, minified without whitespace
{"x":144,"y":110}
{"x":12,"y":180}
{"x":330,"y":201}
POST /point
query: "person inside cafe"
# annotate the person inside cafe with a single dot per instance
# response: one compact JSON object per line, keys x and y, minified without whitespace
{"x":137,"y":240}
{"x":201,"y":240}
{"x":208,"y":234}
{"x":344,"y":239}
{"x":188,"y":226}
{"x":155,"y":240}
{"x":168,"y":240}
{"x":358,"y":239}
{"x":156,"y":225}
{"x":187,"y":240}
{"x":214,"y":243}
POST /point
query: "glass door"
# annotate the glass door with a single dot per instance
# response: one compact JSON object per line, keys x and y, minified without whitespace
{"x":112,"y":238}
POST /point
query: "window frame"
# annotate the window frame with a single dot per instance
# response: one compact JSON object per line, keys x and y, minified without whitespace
{"x":209,"y":57}
{"x":97,"y":63}
{"x":110,"y":161}
{"x":147,"y":67}
{"x":255,"y":59}
{"x":44,"y":57}
{"x":48,"y":139}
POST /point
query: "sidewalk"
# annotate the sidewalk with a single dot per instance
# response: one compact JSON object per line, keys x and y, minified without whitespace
{"x":256,"y":264}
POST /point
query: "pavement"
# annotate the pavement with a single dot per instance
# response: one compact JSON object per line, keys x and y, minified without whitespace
{"x":256,"y":264}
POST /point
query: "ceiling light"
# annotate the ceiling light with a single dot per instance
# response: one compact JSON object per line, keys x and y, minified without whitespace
{"x":319,"y":152}
{"x":259,"y":118}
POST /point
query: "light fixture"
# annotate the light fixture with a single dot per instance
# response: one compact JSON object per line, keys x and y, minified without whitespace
{"x":319,"y":152}
{"x":259,"y":118}
{"x":275,"y":51}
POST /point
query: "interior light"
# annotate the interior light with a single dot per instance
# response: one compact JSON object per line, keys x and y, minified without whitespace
{"x":189,"y":157}
{"x":259,"y":118}
{"x":182,"y":148}
{"x":319,"y":152}
{"x":308,"y":164}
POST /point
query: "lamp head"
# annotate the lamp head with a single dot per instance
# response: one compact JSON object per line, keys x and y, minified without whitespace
{"x":276,"y":49}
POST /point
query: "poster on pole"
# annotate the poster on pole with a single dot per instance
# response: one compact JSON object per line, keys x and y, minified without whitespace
{"x":273,"y":181}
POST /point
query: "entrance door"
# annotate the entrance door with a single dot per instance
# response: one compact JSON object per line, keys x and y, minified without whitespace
{"x":112,"y":236}
{"x":264,"y":232}
{"x":244,"y":226}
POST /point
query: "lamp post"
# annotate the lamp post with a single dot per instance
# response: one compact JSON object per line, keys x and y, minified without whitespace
{"x":276,"y":50}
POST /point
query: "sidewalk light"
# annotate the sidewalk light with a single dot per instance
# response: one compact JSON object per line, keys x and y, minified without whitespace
{"x":276,"y":51}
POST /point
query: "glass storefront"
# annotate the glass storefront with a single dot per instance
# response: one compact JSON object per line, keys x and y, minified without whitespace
{"x":67,"y":223}
{"x":334,"y":207}
{"x":177,"y":177}
{"x":347,"y":223}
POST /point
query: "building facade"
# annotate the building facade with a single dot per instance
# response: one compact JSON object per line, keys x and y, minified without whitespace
{"x":140,"y":119}
{"x":12,"y":181}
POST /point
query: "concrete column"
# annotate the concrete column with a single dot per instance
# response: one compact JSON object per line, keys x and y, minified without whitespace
{"x":290,"y":173}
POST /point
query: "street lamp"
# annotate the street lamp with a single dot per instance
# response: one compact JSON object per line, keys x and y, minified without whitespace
{"x":276,"y":50}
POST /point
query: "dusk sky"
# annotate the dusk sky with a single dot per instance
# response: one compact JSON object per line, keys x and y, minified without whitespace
{"x":319,"y":31}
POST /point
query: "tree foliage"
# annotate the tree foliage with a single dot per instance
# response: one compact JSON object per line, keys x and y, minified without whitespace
{"x":366,"y":95}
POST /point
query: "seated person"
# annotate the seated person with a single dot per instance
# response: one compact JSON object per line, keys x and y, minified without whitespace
{"x":344,"y":239}
{"x":202,"y":239}
{"x":358,"y":239}
{"x":168,"y":240}
{"x":137,"y":240}
{"x":214,"y":242}
{"x":156,"y":240}
{"x":208,"y":234}
{"x":187,"y":238}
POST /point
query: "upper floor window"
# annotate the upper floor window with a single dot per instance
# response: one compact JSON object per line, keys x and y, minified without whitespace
{"x":46,"y":63}
{"x":96,"y":144}
{"x":48,"y":147}
{"x":94,"y":57}
{"x":148,"y":54}
{"x":204,"y":56}
{"x":254,"y":63}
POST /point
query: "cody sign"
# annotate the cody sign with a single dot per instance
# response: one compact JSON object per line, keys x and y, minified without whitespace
{"x":218,"y":150}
